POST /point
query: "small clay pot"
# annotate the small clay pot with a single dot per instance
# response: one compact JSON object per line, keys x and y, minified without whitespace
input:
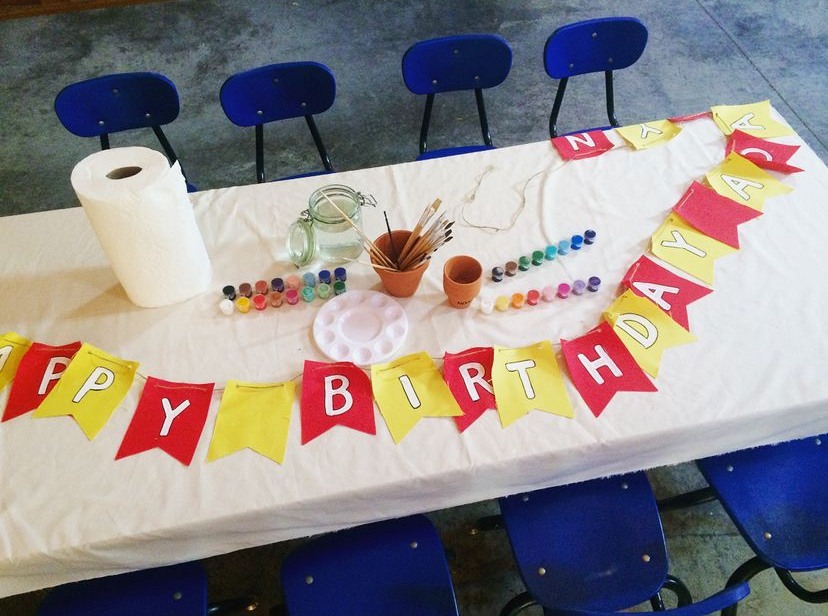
{"x":462,"y":278}
{"x":398,"y":284}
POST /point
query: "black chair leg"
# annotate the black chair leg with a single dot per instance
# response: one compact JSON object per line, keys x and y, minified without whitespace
{"x":657,"y":602}
{"x":229,"y":606}
{"x":809,"y":596}
{"x":677,"y":587}
{"x":491,"y":522}
{"x":743,"y":574}
{"x":688,"y":499}
{"x":518,"y":604}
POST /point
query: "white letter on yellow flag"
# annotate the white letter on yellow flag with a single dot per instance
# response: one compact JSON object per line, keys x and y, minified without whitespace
{"x":528,"y":378}
{"x":645,"y":330}
{"x":739,"y":179}
{"x":644,"y":135}
{"x":754,"y":118}
{"x":688,"y":249}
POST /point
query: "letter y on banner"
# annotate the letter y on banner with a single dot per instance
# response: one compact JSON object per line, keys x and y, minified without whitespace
{"x":469,"y":377}
{"x":335,"y":394}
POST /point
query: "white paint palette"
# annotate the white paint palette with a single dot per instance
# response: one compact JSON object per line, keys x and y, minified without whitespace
{"x":364,"y":327}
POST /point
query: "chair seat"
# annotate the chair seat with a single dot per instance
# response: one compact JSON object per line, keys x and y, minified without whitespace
{"x":303,"y":175}
{"x":780,"y":490}
{"x":191,"y":188}
{"x":465,"y":149}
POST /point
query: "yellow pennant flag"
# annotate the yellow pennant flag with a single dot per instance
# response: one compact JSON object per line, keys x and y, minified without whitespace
{"x":645,"y":330}
{"x":91,"y":388}
{"x":12,"y":349}
{"x":739,"y":179}
{"x":754,"y":119}
{"x":528,"y":378}
{"x":253,"y":415}
{"x":408,"y":389}
{"x":644,"y":135}
{"x":687,"y":248}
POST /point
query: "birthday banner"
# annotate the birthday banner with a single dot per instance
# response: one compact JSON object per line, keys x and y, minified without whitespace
{"x":648,"y":318}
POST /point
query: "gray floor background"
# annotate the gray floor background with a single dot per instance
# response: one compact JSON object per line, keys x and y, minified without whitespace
{"x":700,"y":52}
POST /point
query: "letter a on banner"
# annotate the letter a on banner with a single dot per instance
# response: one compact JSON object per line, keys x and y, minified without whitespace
{"x":37,"y":374}
{"x":528,"y":378}
{"x":754,"y":118}
{"x":12,"y":349}
{"x":644,"y":135}
{"x":469,"y":377}
{"x":687,"y":248}
{"x":600,"y":366}
{"x":667,"y":290}
{"x":408,"y":389}
{"x":91,"y":388}
{"x":169,"y":416}
{"x":335,"y":395}
{"x":255,"y":416}
{"x":645,"y":330}
{"x":713,"y":214}
{"x":739,"y":179}
{"x":762,"y":153}
{"x":582,"y":145}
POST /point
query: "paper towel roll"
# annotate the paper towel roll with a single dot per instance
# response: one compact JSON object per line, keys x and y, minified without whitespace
{"x":139,"y":208}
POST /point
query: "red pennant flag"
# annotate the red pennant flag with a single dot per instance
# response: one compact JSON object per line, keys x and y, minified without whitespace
{"x":582,"y":145}
{"x":713,"y":214}
{"x":171,"y":417}
{"x":469,"y":377}
{"x":667,"y":290}
{"x":761,"y":152}
{"x":600,"y":366}
{"x":38,"y":372}
{"x":691,"y":116}
{"x":335,"y":395}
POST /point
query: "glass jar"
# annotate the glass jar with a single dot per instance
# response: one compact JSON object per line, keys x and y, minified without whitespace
{"x":323,"y":231}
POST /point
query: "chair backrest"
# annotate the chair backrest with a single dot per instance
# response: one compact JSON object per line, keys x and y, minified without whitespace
{"x":393,"y":567}
{"x":180,"y":590}
{"x":596,"y":545}
{"x":115,"y":103}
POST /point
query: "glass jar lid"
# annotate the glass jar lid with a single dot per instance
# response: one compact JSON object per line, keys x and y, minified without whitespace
{"x":301,"y":242}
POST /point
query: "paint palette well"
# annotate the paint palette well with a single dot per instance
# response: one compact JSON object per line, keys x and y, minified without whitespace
{"x":364,"y":327}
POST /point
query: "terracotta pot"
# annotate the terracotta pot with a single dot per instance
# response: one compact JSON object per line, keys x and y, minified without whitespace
{"x":462,"y":278}
{"x":398,"y":284}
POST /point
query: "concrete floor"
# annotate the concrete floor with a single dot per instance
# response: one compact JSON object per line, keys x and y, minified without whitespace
{"x":700,"y":52}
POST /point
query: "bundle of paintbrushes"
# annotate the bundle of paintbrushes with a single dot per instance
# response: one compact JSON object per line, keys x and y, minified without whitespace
{"x":428,"y":235}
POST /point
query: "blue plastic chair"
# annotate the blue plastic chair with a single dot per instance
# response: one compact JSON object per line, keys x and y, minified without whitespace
{"x":607,"y":44}
{"x":594,"y":548}
{"x":279,"y":92}
{"x":465,"y":62}
{"x":394,"y":567}
{"x":114,"y":103}
{"x":179,"y":590}
{"x":777,"y":496}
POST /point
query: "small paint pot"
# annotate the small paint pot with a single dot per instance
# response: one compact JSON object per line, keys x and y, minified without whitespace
{"x":245,"y":289}
{"x":229,"y":292}
{"x":517,"y":300}
{"x":275,"y":299}
{"x":340,"y":274}
{"x":537,"y":257}
{"x":308,"y":293}
{"x":243,"y":304}
{"x":577,"y":242}
{"x":563,"y":247}
{"x":533,"y":297}
{"x":292,"y":282}
{"x":226,"y":306}
{"x":589,"y":236}
{"x":550,"y":252}
{"x":511,"y":268}
{"x":578,"y":287}
{"x":309,"y":279}
{"x":563,"y":290}
{"x":502,"y":303}
{"x":323,"y":290}
{"x":260,"y":302}
{"x":548,"y":293}
{"x":462,"y":278}
{"x":277,"y":284}
{"x":262,"y":287}
{"x":497,"y":274}
{"x":339,"y":287}
{"x":292,"y":296}
{"x":523,"y":264}
{"x":486,"y":306}
{"x":593,"y":283}
{"x":325,"y":276}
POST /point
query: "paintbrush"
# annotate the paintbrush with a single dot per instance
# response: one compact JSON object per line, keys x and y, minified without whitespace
{"x":428,"y":212}
{"x":391,"y":240}
{"x":373,"y":250}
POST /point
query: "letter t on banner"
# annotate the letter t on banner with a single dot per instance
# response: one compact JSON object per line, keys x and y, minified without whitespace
{"x":335,"y":394}
{"x":469,"y":377}
{"x":600,"y":366}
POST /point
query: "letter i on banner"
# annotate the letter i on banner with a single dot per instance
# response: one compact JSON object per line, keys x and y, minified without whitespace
{"x":12,"y":349}
{"x":739,"y":179}
{"x":253,"y":415}
{"x":469,"y":377}
{"x":528,"y":378}
{"x":335,"y":394}
{"x":91,"y":388}
{"x":408,"y":389}
{"x":600,"y":366}
{"x":582,"y":145}
{"x":37,"y":374}
{"x":169,"y":416}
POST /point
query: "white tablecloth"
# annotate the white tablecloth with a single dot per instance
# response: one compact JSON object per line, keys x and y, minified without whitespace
{"x":69,"y":511}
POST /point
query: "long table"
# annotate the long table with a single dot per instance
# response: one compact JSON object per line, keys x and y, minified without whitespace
{"x":69,"y":511}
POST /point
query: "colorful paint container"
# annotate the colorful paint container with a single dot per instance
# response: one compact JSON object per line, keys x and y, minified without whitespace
{"x":323,"y":290}
{"x":548,"y":293}
{"x":226,"y":306}
{"x":292,"y":296}
{"x":308,"y":293}
{"x":497,"y":274}
{"x":589,"y":236}
{"x":339,"y":287}
{"x":259,"y":302}
{"x":275,"y":299}
{"x":245,"y":289}
{"x":550,"y":252}
{"x":309,"y":279}
{"x":502,"y":303}
{"x":578,"y":287}
{"x":262,"y":287}
{"x":486,"y":306}
{"x":325,"y":276}
{"x":340,"y":274}
{"x":523,"y":264}
{"x":517,"y":300}
{"x":533,"y":297}
{"x":292,"y":282}
{"x":563,"y":247}
{"x":511,"y":268}
{"x":537,"y":257}
{"x":577,"y":242}
{"x":563,"y":290}
{"x":229,"y":292}
{"x":277,"y":284}
{"x":243,"y":304}
{"x":594,"y":283}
